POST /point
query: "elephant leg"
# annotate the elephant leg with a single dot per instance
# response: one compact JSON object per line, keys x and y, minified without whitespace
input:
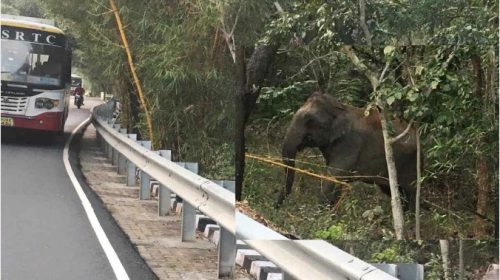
{"x":406,"y":194}
{"x":407,"y":199}
{"x":385,"y":189}
{"x":408,"y":191}
{"x":331,"y":192}
{"x":280,"y":200}
{"x":285,"y":191}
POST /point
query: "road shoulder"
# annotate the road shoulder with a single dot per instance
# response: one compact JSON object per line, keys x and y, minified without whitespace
{"x":157,"y":239}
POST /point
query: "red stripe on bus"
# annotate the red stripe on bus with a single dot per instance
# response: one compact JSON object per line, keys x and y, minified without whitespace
{"x":50,"y":121}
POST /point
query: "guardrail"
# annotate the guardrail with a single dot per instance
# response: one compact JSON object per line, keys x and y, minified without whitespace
{"x":299,"y":259}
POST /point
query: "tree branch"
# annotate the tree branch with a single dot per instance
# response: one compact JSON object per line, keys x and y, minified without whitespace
{"x":303,"y":68}
{"x":235,"y":23}
{"x":278,"y":7}
{"x":229,"y":37}
{"x":382,"y":75}
{"x":403,"y":134}
{"x":372,"y":76}
{"x":362,"y":22}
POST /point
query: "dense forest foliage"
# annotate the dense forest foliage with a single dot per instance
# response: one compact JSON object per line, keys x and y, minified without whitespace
{"x":430,"y":63}
{"x":442,"y":76}
{"x":429,"y":254}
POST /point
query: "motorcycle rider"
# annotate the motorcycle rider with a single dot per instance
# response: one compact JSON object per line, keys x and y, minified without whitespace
{"x":79,"y":91}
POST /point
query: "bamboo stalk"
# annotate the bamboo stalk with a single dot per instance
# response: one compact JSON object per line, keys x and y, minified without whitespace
{"x":137,"y":82}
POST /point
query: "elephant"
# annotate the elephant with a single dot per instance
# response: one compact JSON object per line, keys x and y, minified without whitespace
{"x":352,"y":145}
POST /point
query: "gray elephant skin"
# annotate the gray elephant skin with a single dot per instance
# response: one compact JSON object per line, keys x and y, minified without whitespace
{"x":352,"y":145}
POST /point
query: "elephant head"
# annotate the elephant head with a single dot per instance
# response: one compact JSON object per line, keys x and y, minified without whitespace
{"x":318,"y":123}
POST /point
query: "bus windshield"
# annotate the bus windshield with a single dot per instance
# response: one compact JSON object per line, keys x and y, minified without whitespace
{"x":32,"y":63}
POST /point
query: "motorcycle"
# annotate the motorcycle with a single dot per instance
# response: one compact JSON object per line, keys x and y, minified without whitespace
{"x":78,"y":101}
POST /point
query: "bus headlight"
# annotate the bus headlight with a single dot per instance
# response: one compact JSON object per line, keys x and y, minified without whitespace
{"x":39,"y":103}
{"x":46,"y":103}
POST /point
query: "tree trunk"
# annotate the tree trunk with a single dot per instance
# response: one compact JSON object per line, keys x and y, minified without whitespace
{"x":134,"y":110}
{"x":491,"y":103}
{"x":461,"y":269}
{"x":362,"y":22}
{"x":397,"y":209}
{"x":419,"y":185}
{"x":483,"y":194}
{"x":483,"y":188}
{"x":444,"y":245}
{"x":239,"y":139}
{"x":251,"y":77}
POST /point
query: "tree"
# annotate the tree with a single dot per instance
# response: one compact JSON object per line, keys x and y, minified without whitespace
{"x":445,"y":247}
{"x":23,"y":8}
{"x":251,"y":80}
{"x":236,"y":17}
{"x":397,"y":209}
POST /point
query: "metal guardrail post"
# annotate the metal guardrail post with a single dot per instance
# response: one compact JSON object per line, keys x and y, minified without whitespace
{"x":109,"y":147}
{"x":286,"y":276}
{"x":227,"y":253}
{"x":402,"y":271}
{"x":115,"y":153}
{"x":227,"y":243}
{"x":105,"y":147}
{"x":98,"y":138}
{"x":103,"y":144}
{"x":131,"y":166}
{"x":227,"y":184}
{"x":188,"y":229}
{"x":164,"y":194}
{"x":122,"y":160}
{"x":145,"y":192}
{"x":410,"y":271}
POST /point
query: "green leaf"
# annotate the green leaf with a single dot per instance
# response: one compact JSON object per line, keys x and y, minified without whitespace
{"x":389,"y":50}
{"x":451,"y":78}
{"x":434,"y":84}
{"x":412,"y":96}
{"x":419,"y":69}
{"x":390,"y":100}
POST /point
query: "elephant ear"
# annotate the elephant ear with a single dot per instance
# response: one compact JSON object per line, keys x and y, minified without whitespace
{"x":339,"y":126}
{"x":313,"y":122}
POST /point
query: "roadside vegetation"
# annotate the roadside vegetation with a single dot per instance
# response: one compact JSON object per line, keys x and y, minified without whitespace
{"x":445,"y":85}
{"x":478,"y":254}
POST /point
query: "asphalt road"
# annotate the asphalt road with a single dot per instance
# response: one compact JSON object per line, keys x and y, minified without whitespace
{"x":45,"y":233}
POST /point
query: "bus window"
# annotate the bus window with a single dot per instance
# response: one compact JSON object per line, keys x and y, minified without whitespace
{"x":32,"y":63}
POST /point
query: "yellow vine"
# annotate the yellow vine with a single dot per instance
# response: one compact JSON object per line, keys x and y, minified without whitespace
{"x":303,"y":171}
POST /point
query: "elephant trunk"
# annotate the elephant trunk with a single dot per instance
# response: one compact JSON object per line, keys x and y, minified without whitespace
{"x":291,"y":145}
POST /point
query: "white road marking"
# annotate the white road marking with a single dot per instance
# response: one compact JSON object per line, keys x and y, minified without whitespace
{"x":113,"y":259}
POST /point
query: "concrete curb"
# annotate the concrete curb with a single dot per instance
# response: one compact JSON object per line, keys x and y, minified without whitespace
{"x":250,"y":260}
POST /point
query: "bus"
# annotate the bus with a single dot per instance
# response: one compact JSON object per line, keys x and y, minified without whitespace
{"x":36,"y":74}
{"x":75,"y":81}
